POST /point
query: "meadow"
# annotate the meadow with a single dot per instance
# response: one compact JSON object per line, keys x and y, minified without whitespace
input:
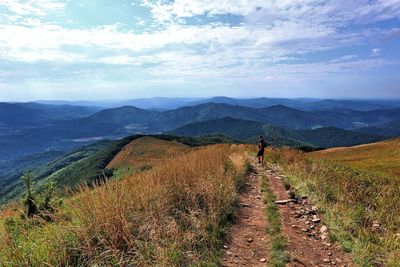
{"x":361,"y":208}
{"x":381,"y":158}
{"x":174,"y":214}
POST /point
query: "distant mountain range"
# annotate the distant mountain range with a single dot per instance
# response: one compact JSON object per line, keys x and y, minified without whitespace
{"x":27,"y":128}
{"x":308,"y":104}
{"x":249,"y":131}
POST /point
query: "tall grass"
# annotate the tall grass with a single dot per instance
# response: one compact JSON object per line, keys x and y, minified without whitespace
{"x":174,"y":214}
{"x":352,"y":201}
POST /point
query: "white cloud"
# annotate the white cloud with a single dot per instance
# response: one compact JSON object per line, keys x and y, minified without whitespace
{"x":32,"y":7}
{"x":267,"y":43}
{"x":375,"y":52}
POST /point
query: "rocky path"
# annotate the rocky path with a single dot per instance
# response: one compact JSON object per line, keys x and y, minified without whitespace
{"x":247,"y":239}
{"x":302,"y":225}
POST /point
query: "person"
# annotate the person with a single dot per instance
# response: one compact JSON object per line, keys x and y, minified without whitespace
{"x":261,"y":148}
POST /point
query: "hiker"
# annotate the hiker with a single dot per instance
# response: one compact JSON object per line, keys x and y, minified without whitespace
{"x":261,"y":147}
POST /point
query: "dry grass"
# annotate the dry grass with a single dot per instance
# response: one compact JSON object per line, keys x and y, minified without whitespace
{"x":145,"y":151}
{"x":172,"y":215}
{"x":352,"y":200}
{"x":382,"y":157}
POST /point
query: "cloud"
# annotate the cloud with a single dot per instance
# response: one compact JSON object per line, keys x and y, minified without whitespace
{"x":375,"y":52}
{"x":32,"y":7}
{"x":192,"y":39}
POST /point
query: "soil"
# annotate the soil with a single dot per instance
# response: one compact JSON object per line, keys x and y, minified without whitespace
{"x":302,"y":225}
{"x":247,"y":239}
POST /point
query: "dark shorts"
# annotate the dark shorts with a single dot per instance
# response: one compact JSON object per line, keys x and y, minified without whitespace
{"x":260,"y":153}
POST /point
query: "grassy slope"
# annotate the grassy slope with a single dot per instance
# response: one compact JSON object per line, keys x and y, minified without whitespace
{"x":352,"y":201}
{"x":42,"y":165}
{"x":152,"y":218}
{"x":382,"y":157}
{"x":143,"y":151}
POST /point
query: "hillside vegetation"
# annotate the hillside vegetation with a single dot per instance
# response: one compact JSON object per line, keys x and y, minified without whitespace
{"x":382,"y":157}
{"x":174,"y":214}
{"x":42,"y":166}
{"x":361,"y":207}
{"x":142,"y":152}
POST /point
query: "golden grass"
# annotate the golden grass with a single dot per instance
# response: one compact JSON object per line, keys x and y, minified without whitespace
{"x":174,"y":214}
{"x":352,"y":201}
{"x":145,"y":151}
{"x":381,"y":157}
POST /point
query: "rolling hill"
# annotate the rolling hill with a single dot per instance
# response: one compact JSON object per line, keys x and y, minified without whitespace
{"x":142,"y":152}
{"x":304,"y":103}
{"x":63,"y":135}
{"x":380,"y":157}
{"x":30,"y":114}
{"x":249,"y":130}
{"x":93,"y":162}
{"x":134,"y":120}
{"x":42,"y":165}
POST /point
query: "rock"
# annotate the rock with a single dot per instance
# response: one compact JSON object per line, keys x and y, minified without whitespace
{"x":246,"y":205}
{"x":226,"y":247}
{"x":323,"y":229}
{"x":376,"y":225}
{"x":314,"y":208}
{"x":284,"y":201}
{"x":249,"y":239}
{"x":263,"y":260}
{"x":329,"y":254}
{"x":323,"y":237}
{"x":316,"y":219}
{"x":326,"y":260}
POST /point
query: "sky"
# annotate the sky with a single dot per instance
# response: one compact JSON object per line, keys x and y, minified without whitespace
{"x":119,"y":49}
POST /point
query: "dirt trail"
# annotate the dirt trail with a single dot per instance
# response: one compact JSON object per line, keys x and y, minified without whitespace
{"x":248,"y":243}
{"x":302,"y":225}
{"x":247,"y":239}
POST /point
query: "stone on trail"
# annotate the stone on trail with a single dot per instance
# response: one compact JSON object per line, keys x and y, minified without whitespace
{"x":323,"y":229}
{"x":263,"y":260}
{"x":284,"y":201}
{"x":316,"y":219}
{"x":249,"y":239}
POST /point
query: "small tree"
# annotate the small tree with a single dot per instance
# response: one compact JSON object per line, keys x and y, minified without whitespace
{"x":49,"y":189}
{"x":29,"y":201}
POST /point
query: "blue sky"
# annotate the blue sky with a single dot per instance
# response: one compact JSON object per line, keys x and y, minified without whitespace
{"x":101,"y":49}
